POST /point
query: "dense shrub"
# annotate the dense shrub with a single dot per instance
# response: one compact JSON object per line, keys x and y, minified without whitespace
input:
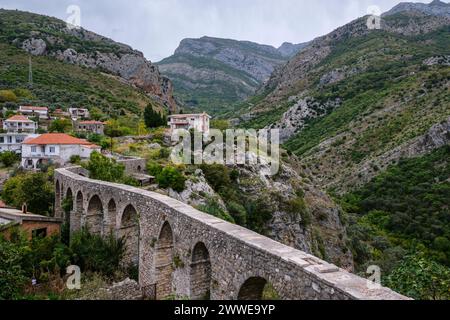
{"x":154,"y":168}
{"x":171,"y":177}
{"x":8,"y":158}
{"x":34,"y":189}
{"x":103,"y":168}
{"x":421,"y":279}
{"x":93,"y":253}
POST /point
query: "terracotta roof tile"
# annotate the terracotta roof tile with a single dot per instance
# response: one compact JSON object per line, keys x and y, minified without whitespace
{"x":34,"y":108}
{"x":58,"y":139}
{"x":19,"y":118}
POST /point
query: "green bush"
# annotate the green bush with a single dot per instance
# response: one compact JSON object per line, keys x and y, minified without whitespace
{"x":213,"y":208}
{"x":103,"y":168}
{"x":12,"y":276}
{"x":154,"y":168}
{"x":8,"y":158}
{"x":7,"y":96}
{"x":75,"y":159}
{"x":421,"y":279}
{"x":93,"y":253}
{"x":171,"y":177}
{"x":34,"y":189}
{"x":217,"y":175}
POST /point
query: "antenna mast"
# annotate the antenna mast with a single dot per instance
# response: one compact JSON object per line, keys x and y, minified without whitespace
{"x":30,"y":74}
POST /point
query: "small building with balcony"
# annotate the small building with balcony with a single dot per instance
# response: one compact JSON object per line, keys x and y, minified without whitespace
{"x":19,"y":124}
{"x":199,"y":122}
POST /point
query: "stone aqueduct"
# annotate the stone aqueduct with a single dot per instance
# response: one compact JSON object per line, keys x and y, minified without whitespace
{"x":180,"y":250}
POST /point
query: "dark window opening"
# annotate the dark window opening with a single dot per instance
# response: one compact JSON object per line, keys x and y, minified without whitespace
{"x":39,"y":233}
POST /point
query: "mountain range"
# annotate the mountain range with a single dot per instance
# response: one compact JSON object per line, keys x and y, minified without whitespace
{"x":209,"y":74}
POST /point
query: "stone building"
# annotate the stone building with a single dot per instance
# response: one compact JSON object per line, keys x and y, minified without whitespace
{"x":96,"y":127}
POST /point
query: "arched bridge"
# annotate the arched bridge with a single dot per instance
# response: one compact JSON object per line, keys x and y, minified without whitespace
{"x":182,"y":251}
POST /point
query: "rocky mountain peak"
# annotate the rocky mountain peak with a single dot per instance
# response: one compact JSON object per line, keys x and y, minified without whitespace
{"x":436,"y":8}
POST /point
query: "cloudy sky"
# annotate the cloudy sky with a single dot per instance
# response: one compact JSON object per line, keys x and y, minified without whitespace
{"x":156,"y":27}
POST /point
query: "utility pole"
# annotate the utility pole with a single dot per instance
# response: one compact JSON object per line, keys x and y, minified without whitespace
{"x":30,"y":74}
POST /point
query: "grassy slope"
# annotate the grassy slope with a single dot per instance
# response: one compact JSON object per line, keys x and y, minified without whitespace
{"x":393,"y":77}
{"x":61,"y":84}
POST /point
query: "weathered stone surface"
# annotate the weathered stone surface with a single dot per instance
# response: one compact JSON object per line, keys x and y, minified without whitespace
{"x":36,"y":47}
{"x":171,"y":232}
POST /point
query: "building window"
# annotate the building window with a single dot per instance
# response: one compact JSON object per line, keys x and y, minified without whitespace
{"x":33,"y":149}
{"x":39,"y":233}
{"x":52,"y":149}
{"x":2,"y":139}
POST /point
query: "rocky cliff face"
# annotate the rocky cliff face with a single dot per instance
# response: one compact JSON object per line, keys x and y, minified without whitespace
{"x":41,"y":35}
{"x":302,"y":216}
{"x":357,"y":100}
{"x":211,"y":72}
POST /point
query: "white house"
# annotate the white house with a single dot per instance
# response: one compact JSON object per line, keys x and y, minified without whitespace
{"x":54,"y":148}
{"x":18,"y":128}
{"x":79,"y":113}
{"x":41,"y":112}
{"x":198,"y":122}
{"x":19,"y":124}
{"x":13,"y":141}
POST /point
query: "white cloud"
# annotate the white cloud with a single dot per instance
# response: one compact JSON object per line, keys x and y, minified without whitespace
{"x":156,"y":27}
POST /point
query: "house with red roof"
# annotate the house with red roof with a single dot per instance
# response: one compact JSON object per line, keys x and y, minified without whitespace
{"x":19,"y":124}
{"x":54,"y":148}
{"x":90,"y":126}
{"x":41,"y":112}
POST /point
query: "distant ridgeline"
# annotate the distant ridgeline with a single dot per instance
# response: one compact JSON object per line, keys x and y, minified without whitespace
{"x":211,"y":74}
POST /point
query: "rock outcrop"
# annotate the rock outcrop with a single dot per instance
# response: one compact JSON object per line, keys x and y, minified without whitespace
{"x":51,"y":37}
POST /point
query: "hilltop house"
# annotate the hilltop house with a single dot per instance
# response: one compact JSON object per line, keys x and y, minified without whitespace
{"x":198,"y":122}
{"x":17,"y":128}
{"x":41,"y":112}
{"x":79,"y":113}
{"x":54,"y":148}
{"x":96,"y":127}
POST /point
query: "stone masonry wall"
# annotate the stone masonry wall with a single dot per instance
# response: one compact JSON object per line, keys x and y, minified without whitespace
{"x":235,"y":253}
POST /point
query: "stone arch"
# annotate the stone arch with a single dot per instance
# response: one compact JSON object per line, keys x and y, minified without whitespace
{"x":95,"y":214}
{"x":111,"y":218}
{"x":58,"y":210}
{"x":164,"y":262}
{"x":139,"y":169}
{"x":78,"y":213}
{"x":129,"y":231}
{"x":257,"y":288}
{"x":68,"y":210}
{"x":200,"y":276}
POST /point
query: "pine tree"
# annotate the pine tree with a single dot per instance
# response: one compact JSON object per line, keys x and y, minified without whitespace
{"x":152,"y":118}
